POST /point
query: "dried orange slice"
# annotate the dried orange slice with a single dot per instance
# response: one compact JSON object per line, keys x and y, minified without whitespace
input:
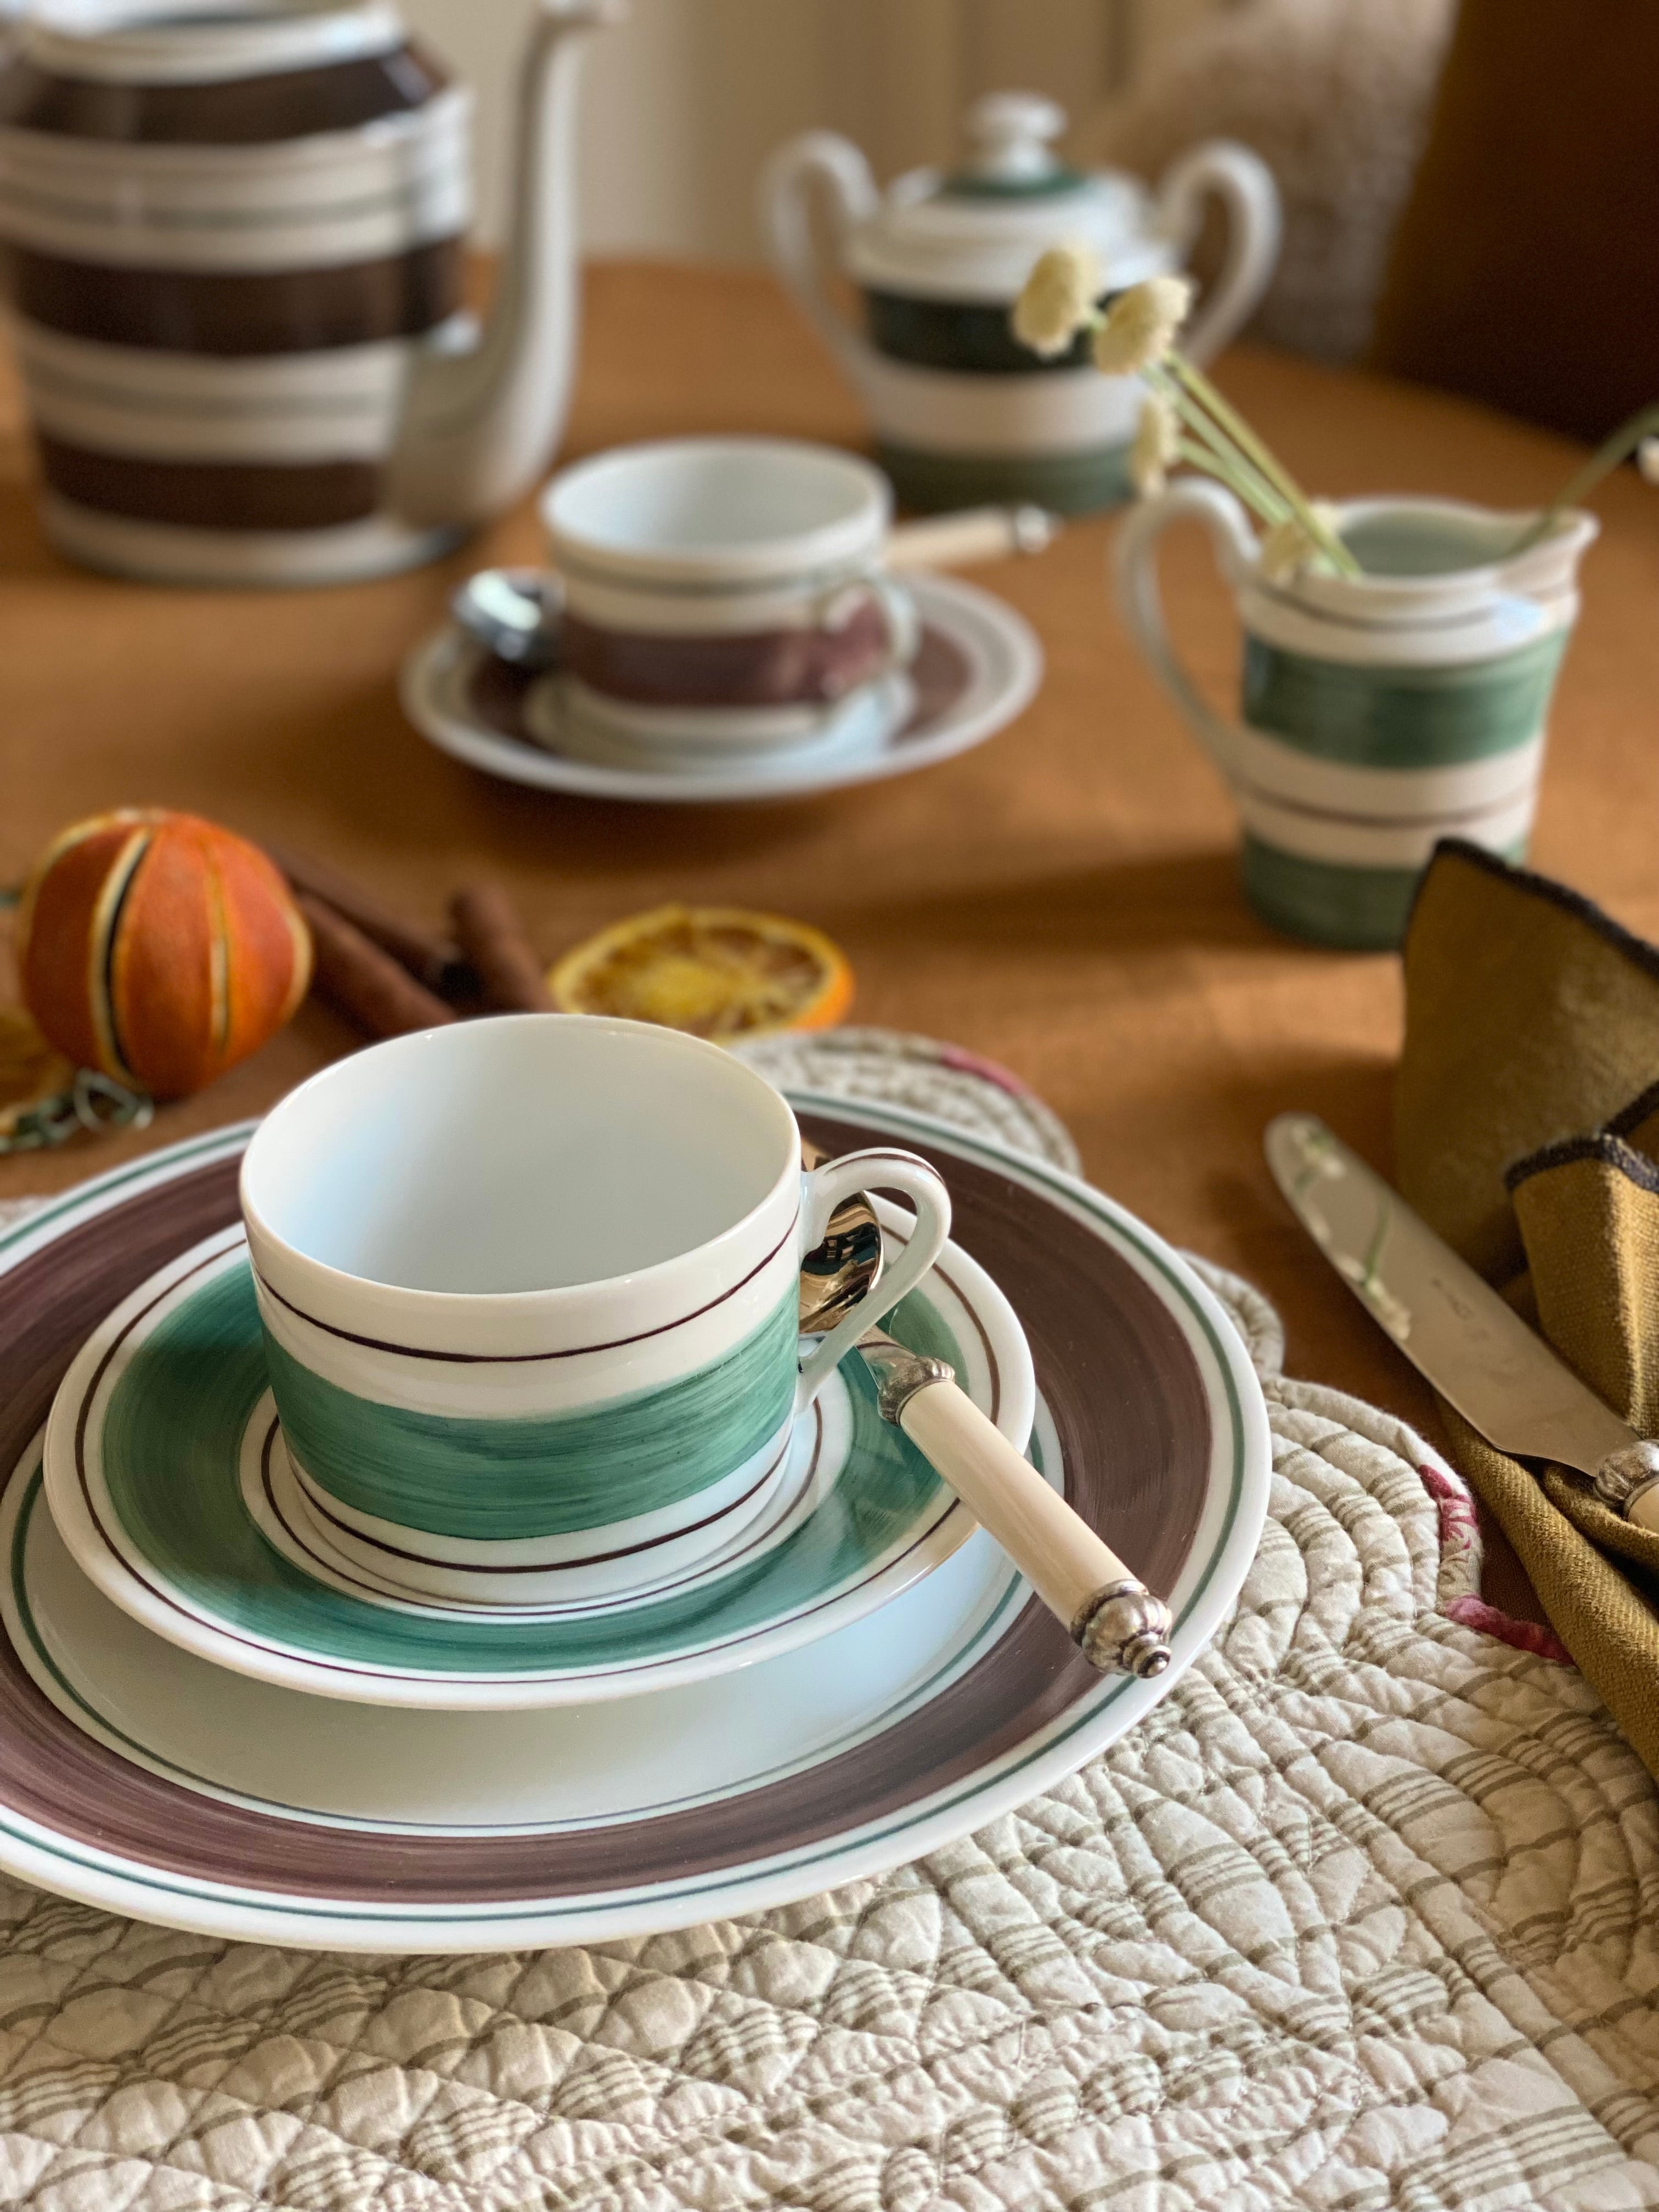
{"x":717,"y":971}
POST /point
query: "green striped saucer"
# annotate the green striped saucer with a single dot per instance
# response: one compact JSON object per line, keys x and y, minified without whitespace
{"x":166,"y":1475}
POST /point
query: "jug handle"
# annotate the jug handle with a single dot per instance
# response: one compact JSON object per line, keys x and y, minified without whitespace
{"x":817,"y":162}
{"x":1140,"y":605}
{"x":1244,"y":184}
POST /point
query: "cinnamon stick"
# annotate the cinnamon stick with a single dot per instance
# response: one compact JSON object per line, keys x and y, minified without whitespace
{"x":436,"y":962}
{"x":354,"y":975}
{"x":493,"y":940}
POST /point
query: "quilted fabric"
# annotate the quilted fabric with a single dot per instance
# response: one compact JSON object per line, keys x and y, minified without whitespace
{"x":1365,"y":1915}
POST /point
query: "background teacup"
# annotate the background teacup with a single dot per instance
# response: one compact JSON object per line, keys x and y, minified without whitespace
{"x":724,"y":592}
{"x":1381,"y":713}
{"x":528,"y":1287}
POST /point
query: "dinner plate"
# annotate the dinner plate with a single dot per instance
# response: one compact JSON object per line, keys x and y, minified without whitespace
{"x":312,"y":1821}
{"x":166,"y":1474}
{"x":978,"y":665}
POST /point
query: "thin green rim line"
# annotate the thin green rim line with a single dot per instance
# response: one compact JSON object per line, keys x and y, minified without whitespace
{"x":84,"y":1192}
{"x":313,"y":1819}
{"x":1070,"y":1187}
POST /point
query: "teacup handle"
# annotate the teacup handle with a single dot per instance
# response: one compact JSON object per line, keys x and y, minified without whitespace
{"x":850,"y":1177}
{"x":1134,"y":566}
{"x":899,"y":619}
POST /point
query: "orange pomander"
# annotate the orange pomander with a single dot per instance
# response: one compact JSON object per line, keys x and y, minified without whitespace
{"x":159,"y":948}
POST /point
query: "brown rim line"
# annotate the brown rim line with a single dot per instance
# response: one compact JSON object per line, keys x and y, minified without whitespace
{"x":523,"y":1359}
{"x":308,"y":1486}
{"x":241,"y":314}
{"x":246,"y":111}
{"x":1124,"y":1391}
{"x":763,"y":1533}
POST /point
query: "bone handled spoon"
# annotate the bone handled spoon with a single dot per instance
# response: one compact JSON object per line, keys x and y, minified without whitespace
{"x":1108,"y":1613}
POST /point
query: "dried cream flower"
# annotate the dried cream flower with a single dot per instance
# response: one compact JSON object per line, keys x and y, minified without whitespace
{"x":1141,"y":326}
{"x":1289,"y":547}
{"x":1059,"y":298}
{"x":1647,"y":459}
{"x":1156,"y":445}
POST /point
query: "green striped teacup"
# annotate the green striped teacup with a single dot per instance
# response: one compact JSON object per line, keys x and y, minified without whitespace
{"x":528,"y":1288}
{"x":1381,"y":713}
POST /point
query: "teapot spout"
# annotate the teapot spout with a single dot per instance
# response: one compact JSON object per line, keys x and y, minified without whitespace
{"x":477,"y":424}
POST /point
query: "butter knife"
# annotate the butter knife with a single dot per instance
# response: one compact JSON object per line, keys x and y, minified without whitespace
{"x":1452,"y":1324}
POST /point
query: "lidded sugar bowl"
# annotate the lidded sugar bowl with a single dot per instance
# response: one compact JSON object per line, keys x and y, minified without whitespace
{"x":961,"y":412}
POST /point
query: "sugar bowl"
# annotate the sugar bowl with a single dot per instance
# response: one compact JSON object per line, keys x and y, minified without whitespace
{"x":961,"y":412}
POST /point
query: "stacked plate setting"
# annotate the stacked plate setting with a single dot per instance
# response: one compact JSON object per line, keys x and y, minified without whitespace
{"x":218,"y":1718}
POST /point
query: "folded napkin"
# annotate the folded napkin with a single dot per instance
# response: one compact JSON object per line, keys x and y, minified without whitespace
{"x":1527,"y":1132}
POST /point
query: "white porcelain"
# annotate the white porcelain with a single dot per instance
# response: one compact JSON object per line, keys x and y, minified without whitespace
{"x":142,"y":1780}
{"x":1381,"y":713}
{"x":488,"y":1255}
{"x":954,"y":423}
{"x":531,"y":737}
{"x":726,"y":589}
{"x":158,"y":460}
{"x":854,"y":1516}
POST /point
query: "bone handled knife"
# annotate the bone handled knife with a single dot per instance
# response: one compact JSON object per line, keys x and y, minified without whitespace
{"x":1452,"y":1324}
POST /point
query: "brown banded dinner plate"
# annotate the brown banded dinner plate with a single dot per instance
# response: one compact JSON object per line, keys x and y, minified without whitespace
{"x":136,"y":1776}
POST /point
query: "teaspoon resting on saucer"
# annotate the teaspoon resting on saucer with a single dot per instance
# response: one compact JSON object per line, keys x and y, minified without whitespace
{"x":1107,"y":1612}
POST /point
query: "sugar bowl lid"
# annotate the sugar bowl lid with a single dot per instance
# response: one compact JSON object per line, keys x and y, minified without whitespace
{"x":972,"y":234}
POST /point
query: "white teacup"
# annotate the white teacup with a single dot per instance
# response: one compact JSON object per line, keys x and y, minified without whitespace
{"x":528,"y":1288}
{"x":723,"y":592}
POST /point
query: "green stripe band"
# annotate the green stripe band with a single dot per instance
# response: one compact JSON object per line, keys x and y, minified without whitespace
{"x":1356,"y":909}
{"x":495,"y":1480}
{"x":1400,"y":718}
{"x":1077,"y":483}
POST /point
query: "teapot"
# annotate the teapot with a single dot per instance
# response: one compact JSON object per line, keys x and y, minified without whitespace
{"x":963,"y":413}
{"x":234,"y":232}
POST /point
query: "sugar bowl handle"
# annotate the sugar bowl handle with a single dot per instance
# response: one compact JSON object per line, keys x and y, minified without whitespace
{"x":1244,"y":184}
{"x":823,"y":164}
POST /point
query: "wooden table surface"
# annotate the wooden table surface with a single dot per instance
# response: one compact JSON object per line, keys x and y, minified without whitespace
{"x":1063,"y":899}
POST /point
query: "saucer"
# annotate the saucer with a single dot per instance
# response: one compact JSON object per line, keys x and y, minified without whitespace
{"x":135,"y":1779}
{"x":166,"y":1474}
{"x":978,"y":665}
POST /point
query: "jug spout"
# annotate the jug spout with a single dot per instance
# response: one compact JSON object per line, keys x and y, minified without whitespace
{"x":479,"y":421}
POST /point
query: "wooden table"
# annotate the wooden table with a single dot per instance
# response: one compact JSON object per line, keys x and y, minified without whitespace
{"x":1063,"y":900}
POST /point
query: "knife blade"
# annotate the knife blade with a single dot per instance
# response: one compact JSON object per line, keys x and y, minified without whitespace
{"x":1451,"y":1324}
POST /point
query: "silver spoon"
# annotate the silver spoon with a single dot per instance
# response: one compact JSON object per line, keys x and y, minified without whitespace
{"x":1109,"y":1614}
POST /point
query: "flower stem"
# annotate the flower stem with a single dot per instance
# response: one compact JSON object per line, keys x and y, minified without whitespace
{"x":1239,"y":478}
{"x":1194,"y":381}
{"x":1236,"y":470}
{"x":1606,"y":457}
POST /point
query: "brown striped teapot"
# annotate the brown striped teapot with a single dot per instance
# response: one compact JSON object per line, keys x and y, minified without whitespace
{"x":232,"y":233}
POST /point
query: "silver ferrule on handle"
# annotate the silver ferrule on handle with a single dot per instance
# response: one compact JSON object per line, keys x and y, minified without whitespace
{"x":1123,"y":1629}
{"x":1628,"y":1481}
{"x":899,"y":1374}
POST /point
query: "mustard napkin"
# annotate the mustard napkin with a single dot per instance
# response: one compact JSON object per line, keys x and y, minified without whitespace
{"x":1526,"y":1133}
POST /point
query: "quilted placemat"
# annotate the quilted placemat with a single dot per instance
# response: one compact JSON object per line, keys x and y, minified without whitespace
{"x":1366,"y":1914}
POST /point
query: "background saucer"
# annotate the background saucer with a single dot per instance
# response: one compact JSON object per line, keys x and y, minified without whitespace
{"x":978,"y":667}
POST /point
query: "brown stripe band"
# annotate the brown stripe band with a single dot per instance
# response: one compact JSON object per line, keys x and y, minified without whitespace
{"x":761,"y":668}
{"x":212,"y":495}
{"x":240,"y":313}
{"x":1127,"y":1401}
{"x":246,"y":111}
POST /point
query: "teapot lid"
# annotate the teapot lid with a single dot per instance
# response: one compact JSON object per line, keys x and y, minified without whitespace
{"x":973,"y":234}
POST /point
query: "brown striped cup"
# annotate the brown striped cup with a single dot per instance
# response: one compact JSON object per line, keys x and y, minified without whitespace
{"x":724,"y":592}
